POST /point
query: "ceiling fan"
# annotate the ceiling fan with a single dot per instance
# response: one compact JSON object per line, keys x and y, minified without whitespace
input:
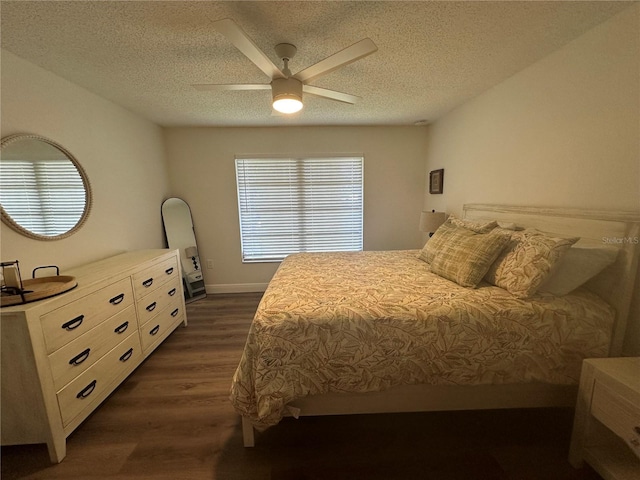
{"x":286,"y":88}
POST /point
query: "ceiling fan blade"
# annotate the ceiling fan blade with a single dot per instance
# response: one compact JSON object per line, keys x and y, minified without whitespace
{"x":330,"y":94}
{"x":232,"y":86}
{"x":242,"y":42}
{"x":343,"y":57}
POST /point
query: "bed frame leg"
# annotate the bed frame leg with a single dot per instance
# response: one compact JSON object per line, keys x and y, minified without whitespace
{"x":248,"y":434}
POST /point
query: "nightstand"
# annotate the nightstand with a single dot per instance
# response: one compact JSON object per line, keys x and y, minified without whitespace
{"x":606,"y":428}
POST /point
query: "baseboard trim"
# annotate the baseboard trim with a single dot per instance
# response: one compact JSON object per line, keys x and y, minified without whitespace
{"x":235,"y":288}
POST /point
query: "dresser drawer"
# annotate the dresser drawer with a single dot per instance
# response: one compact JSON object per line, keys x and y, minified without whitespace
{"x":80,"y":393}
{"x":67,"y":323}
{"x":157,"y":328}
{"x":153,"y":277}
{"x":150,"y":305}
{"x":618,"y":414}
{"x":74,"y":358}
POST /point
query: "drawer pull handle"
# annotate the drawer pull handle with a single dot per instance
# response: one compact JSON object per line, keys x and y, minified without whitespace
{"x":88,"y":390}
{"x":127,"y":355}
{"x":117,"y":299}
{"x":74,"y":323}
{"x":151,"y":308}
{"x":147,"y":283}
{"x":81,"y":357}
{"x":169,"y":271}
{"x":174,"y":313}
{"x":122,"y":328}
{"x":172,"y":292}
{"x":154,"y":330}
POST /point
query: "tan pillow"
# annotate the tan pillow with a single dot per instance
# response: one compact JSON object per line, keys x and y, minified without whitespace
{"x":430,"y":248}
{"x":464,"y":256}
{"x":527,"y":261}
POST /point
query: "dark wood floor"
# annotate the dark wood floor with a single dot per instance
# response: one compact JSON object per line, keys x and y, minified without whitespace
{"x":171,"y":419}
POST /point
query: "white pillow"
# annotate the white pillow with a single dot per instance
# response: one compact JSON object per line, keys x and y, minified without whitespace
{"x":577,"y":266}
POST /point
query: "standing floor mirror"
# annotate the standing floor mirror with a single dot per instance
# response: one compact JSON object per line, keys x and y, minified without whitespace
{"x":178,"y":229}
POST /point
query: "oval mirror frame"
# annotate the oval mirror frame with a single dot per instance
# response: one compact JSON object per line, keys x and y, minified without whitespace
{"x":8,"y":220}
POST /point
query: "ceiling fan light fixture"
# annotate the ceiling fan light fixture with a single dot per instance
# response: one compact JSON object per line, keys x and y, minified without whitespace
{"x":287,"y":104}
{"x":287,"y":95}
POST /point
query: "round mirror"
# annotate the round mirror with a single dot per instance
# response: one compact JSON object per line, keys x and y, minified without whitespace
{"x":44,"y":192}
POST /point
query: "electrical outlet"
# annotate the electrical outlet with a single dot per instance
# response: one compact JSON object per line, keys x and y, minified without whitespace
{"x":209,"y":263}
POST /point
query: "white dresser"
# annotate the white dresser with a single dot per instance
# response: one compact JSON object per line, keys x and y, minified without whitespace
{"x":62,"y":356}
{"x":606,"y":429}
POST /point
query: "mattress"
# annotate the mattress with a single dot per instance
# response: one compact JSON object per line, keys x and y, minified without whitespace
{"x":368,"y":321}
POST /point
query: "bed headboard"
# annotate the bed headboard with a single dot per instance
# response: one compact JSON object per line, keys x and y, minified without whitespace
{"x":615,"y":229}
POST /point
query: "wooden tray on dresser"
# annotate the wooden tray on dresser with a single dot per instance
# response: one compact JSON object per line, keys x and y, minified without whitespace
{"x":40,"y":288}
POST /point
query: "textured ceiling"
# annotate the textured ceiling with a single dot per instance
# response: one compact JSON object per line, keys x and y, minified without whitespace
{"x":432,"y":56}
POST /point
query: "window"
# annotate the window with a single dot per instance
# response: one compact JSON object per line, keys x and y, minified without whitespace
{"x":291,"y":205}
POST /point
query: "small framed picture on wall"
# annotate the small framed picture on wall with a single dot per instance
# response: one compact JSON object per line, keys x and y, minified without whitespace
{"x":436,"y":181}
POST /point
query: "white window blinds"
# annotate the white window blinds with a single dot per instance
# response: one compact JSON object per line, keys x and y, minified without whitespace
{"x":46,"y":197}
{"x":291,"y":205}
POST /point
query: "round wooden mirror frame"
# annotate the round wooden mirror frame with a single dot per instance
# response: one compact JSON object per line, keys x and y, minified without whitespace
{"x":9,"y":221}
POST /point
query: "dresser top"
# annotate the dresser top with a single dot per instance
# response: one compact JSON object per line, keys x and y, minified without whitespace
{"x":95,"y":274}
{"x":119,"y":264}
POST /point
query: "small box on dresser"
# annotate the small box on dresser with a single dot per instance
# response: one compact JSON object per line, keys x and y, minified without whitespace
{"x":62,"y":356}
{"x":606,"y":430}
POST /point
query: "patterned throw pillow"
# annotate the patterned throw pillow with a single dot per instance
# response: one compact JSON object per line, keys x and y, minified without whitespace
{"x":526,"y":261}
{"x":462,"y":255}
{"x":431,"y":247}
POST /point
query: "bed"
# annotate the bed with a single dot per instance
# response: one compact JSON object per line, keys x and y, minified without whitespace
{"x":375,"y":332}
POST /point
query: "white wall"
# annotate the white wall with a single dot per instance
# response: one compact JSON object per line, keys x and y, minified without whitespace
{"x":202,"y":169}
{"x":122,"y":154}
{"x":563,"y":132}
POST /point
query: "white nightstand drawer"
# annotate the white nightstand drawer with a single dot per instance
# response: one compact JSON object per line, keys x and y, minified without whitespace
{"x":619,"y":415}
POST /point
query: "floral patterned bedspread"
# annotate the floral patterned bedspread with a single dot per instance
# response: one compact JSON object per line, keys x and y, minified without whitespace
{"x":367,"y":321}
